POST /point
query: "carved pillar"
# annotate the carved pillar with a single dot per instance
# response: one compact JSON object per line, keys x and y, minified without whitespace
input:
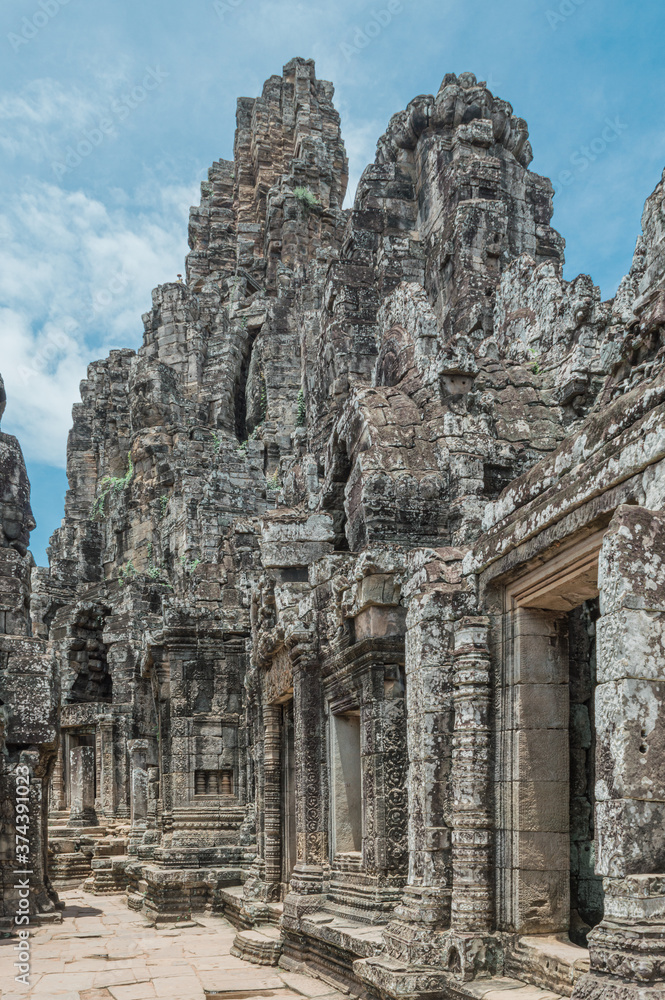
{"x":98,"y":770}
{"x":58,"y":802}
{"x":82,"y":787}
{"x":106,"y":780}
{"x":121,"y":774}
{"x":627,"y":949}
{"x":424,"y":909}
{"x":470,"y":947}
{"x":272,"y":798}
{"x":139,"y":753}
{"x":384,"y":769}
{"x":472,"y":903}
{"x":311,"y":871}
{"x":122,"y":664}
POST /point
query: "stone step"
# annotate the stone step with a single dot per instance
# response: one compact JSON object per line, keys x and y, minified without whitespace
{"x":262,"y":946}
{"x":549,"y":961}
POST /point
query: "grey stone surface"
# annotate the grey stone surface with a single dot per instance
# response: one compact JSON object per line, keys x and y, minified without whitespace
{"x":382,"y":464}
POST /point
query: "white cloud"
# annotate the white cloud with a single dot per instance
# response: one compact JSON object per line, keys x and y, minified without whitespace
{"x":75,"y":277}
{"x":360,"y":140}
{"x":34,"y":121}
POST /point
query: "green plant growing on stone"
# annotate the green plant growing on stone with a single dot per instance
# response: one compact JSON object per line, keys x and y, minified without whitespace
{"x":189,"y":566}
{"x":306,"y":197}
{"x":254,"y":436}
{"x":163,"y":504}
{"x":153,"y":572}
{"x":111,"y":486}
{"x":301,"y":414}
{"x":127,"y":573}
{"x":217,"y":441}
{"x":272,"y":482}
{"x":535,"y":368}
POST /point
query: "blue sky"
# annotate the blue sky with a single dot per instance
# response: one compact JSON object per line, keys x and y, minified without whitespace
{"x":153,"y":87}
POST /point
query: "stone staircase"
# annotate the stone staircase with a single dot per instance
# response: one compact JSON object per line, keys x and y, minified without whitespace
{"x":70,"y":851}
{"x":261,"y":946}
{"x":85,"y":854}
{"x":109,"y":868}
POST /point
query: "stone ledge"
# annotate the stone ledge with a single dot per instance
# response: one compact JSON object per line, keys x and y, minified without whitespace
{"x":392,"y":979}
{"x":261,"y":947}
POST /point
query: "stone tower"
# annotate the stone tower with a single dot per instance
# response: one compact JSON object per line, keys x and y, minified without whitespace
{"x":357,"y":604}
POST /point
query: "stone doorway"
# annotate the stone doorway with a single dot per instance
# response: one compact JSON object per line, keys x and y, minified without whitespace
{"x":586,"y":887}
{"x":71,"y":740}
{"x":346,"y":785}
{"x":546,"y":749}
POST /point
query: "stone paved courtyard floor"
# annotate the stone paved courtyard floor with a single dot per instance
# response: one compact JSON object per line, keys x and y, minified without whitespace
{"x":103,"y":951}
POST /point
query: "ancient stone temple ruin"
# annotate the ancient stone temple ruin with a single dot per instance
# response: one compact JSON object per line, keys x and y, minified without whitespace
{"x":354,"y":629}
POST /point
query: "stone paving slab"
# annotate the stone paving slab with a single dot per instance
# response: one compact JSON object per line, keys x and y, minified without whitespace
{"x":103,"y":951}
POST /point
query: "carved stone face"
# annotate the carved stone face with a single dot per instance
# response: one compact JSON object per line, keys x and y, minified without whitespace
{"x":16,"y":518}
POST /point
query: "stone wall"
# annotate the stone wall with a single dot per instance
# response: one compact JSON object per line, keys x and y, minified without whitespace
{"x":322,"y":592}
{"x":29,"y":710}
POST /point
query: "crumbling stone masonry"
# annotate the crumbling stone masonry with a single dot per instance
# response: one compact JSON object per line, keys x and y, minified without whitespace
{"x":29,"y":709}
{"x":358,"y":604}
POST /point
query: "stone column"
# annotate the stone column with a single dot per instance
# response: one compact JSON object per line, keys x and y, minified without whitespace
{"x":312,"y":868}
{"x":272,"y":799}
{"x":424,"y":910}
{"x":82,"y":787}
{"x":106,"y":777}
{"x":58,"y":802}
{"x":472,"y":900}
{"x":121,"y":658}
{"x":384,"y":776}
{"x":138,"y":753}
{"x":627,"y":949}
{"x":121,"y":782}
